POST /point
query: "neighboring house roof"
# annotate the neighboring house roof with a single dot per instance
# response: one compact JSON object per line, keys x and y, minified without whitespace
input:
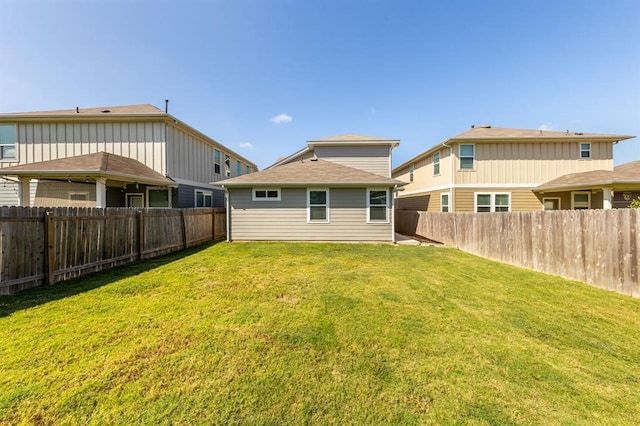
{"x":625,"y":174}
{"x":143,"y":112}
{"x":100,"y":164}
{"x":127,"y":110}
{"x":309,"y":172}
{"x":484,"y":133}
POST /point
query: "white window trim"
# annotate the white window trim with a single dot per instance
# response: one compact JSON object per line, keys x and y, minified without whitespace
{"x":86,"y":195}
{"x":129,"y":194}
{"x":158,"y":188}
{"x":369,"y":206}
{"x":217,"y":162}
{"x":328,"y":220}
{"x":552,"y":198}
{"x":439,"y":162}
{"x":473,"y":167}
{"x":492,"y":207}
{"x":448,"y":194}
{"x":580,"y":192}
{"x":581,"y":151}
{"x":253,"y":194}
{"x":15,"y":145}
{"x":205,"y":193}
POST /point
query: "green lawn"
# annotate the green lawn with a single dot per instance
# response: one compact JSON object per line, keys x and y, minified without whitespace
{"x":274,"y":333}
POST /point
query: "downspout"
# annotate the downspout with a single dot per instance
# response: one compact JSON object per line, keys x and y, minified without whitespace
{"x":393,"y":214}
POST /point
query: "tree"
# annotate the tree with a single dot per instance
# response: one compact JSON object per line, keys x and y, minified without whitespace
{"x":635,"y":204}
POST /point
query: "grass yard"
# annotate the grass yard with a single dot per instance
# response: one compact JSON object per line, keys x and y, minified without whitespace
{"x":274,"y":333}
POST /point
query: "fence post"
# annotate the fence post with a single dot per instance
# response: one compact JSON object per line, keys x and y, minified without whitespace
{"x":184,"y":229}
{"x":140,"y":234}
{"x":213,"y":224}
{"x":50,"y":256}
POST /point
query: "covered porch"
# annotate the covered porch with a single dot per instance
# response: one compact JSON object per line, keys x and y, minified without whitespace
{"x":91,"y":180}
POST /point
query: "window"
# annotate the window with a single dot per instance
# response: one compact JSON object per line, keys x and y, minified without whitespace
{"x":216,"y":162}
{"x":585,"y":150}
{"x":318,"y":205}
{"x":8,"y":141}
{"x":78,"y":196}
{"x":227,"y":165}
{"x":377,"y":205}
{"x":411,"y":173}
{"x":266,"y":195}
{"x":493,"y":202}
{"x":158,"y":197}
{"x":580,"y":200}
{"x":436,"y":163}
{"x":238,"y":168}
{"x":203,"y":198}
{"x":467,"y":156}
{"x":551,"y":203}
{"x":247,"y":170}
{"x":444,"y":202}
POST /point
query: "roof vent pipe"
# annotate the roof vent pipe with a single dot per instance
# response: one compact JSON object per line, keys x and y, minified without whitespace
{"x":166,"y":106}
{"x":77,"y":110}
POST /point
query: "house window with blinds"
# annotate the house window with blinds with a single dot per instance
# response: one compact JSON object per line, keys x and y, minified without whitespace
{"x":318,"y":205}
{"x":377,"y":206}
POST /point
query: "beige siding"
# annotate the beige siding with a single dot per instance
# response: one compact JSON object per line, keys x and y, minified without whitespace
{"x":424,"y":177}
{"x":287,"y":219}
{"x":56,"y":194}
{"x":429,"y":201}
{"x":531,"y":163}
{"x":373,"y":158}
{"x":8,"y":193}
{"x":50,"y":141}
{"x":522,"y":200}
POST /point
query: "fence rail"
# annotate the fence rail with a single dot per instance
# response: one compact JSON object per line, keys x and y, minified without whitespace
{"x":598,"y":247}
{"x":47,"y":245}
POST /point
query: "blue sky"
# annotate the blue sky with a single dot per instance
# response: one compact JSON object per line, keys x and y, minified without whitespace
{"x":265,"y":76}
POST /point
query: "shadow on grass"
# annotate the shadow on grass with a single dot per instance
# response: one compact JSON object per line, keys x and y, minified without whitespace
{"x":41,"y":295}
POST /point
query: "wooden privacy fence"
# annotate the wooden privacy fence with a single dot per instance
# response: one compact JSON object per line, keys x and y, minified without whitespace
{"x":48,"y":245}
{"x":598,"y":247}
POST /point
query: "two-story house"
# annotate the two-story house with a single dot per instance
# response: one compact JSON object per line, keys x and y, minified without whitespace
{"x":124,"y":156}
{"x":490,"y":169}
{"x":336,"y":189}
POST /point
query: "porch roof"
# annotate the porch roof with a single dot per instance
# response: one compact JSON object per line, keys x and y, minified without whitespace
{"x":627,"y":174}
{"x":100,"y":164}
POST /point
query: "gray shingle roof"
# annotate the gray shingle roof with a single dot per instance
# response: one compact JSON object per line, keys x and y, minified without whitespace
{"x":628,"y":173}
{"x":310,"y":172}
{"x":98,"y":164}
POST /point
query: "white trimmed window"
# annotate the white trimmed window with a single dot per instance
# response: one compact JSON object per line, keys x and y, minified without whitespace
{"x":238,"y":168}
{"x":78,"y":196}
{"x":227,"y":165}
{"x":216,"y":161}
{"x":203,"y":198}
{"x":551,"y":203}
{"x":158,"y":197}
{"x":265,"y":194}
{"x":581,"y":200}
{"x":436,"y":163}
{"x":318,"y":206}
{"x":444,"y":202}
{"x":377,"y":206}
{"x":247,"y":170}
{"x":411,"y":169}
{"x":585,"y":150}
{"x":492,"y":202}
{"x":8,"y":142}
{"x":467,"y":154}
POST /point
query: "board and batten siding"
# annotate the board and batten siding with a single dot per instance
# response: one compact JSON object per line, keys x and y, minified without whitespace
{"x":287,"y":219}
{"x":142,"y":141}
{"x":423,"y":172}
{"x":531,"y":163}
{"x":192,"y":159}
{"x":372,"y":158}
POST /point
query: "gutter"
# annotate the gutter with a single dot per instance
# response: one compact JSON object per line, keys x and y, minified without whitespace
{"x":228,"y":215}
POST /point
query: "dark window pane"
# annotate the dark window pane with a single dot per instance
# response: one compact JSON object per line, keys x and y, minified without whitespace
{"x":272,"y":194}
{"x":378,"y":213}
{"x":378,"y":198}
{"x":318,"y":213}
{"x":466,"y":163}
{"x":317,"y":197}
{"x":261,"y":194}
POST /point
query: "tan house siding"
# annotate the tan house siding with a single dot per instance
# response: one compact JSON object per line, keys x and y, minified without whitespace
{"x":287,"y":219}
{"x":42,"y":141}
{"x":56,"y":194}
{"x":530,"y":163}
{"x":429,"y":201}
{"x":423,"y":173}
{"x":372,"y":159}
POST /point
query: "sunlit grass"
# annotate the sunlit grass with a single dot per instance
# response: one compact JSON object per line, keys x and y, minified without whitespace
{"x":271,"y":333}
